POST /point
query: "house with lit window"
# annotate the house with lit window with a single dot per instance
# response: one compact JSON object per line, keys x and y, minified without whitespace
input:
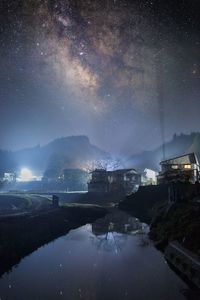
{"x":184,"y":168}
{"x":125,"y":181}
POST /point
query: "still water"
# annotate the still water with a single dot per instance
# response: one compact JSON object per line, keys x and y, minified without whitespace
{"x":110,"y":259}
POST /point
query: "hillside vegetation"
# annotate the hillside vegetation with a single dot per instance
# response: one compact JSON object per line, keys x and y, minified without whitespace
{"x":179,"y":145}
{"x":181,"y":223}
{"x":66,"y":152}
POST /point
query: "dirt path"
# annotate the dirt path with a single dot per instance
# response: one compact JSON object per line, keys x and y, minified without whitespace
{"x":22,"y":203}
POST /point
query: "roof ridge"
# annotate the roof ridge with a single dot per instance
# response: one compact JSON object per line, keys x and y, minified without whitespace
{"x":187,"y":154}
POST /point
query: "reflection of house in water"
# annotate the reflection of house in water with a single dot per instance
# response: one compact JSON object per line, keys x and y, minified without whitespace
{"x":115,"y":229}
{"x":183,"y":168}
{"x":124,"y":180}
{"x":119,"y":222}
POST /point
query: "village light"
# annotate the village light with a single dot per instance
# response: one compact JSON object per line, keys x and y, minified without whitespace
{"x":25,"y":175}
{"x":187,"y":167}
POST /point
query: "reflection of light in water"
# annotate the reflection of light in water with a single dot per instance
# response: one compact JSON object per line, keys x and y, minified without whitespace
{"x":110,"y":241}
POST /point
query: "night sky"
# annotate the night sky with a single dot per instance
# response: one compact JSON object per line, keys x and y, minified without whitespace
{"x":90,"y":67}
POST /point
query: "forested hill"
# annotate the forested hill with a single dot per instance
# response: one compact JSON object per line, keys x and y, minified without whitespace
{"x":77,"y":151}
{"x":179,"y":145}
{"x":72,"y":151}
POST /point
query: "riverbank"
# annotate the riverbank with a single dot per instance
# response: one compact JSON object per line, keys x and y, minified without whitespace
{"x":27,"y":201}
{"x":22,"y":234}
{"x":141,"y":203}
{"x":171,"y":223}
{"x":178,"y":221}
{"x":168,"y":220}
{"x":20,"y":203}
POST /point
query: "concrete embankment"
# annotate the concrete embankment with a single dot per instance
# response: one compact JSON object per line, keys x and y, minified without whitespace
{"x":170,"y":221}
{"x":179,"y":222}
{"x":104,"y":199}
{"x":141,"y":203}
{"x":186,"y":262}
{"x":144,"y":202}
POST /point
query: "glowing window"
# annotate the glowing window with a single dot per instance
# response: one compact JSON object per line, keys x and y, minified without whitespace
{"x":175,"y":167}
{"x":187,"y":166}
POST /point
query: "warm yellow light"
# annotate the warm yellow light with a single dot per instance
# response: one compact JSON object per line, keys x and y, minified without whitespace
{"x":25,"y":175}
{"x":187,"y":166}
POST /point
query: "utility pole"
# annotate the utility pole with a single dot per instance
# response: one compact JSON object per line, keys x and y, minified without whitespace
{"x":160,"y":95}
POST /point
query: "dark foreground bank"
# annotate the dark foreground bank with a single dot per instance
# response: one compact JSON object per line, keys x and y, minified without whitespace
{"x":174,"y":220}
{"x":22,"y":234}
{"x":142,"y":202}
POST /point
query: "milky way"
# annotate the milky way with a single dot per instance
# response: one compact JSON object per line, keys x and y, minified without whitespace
{"x":98,"y":54}
{"x":90,"y":67}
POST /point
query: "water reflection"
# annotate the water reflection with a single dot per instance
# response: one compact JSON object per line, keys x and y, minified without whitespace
{"x":117,"y":221}
{"x":112,"y":231}
{"x":21,"y":235}
{"x":97,"y":261}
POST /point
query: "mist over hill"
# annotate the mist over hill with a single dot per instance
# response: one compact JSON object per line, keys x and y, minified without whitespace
{"x":78,"y":152}
{"x":179,"y":145}
{"x":66,"y":152}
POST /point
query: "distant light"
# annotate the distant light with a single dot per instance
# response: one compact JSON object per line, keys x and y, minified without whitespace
{"x":187,"y":167}
{"x":25,"y":175}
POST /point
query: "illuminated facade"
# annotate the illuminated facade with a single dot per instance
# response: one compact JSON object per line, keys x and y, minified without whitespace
{"x":9,"y":177}
{"x":183,"y":168}
{"x":149,"y":177}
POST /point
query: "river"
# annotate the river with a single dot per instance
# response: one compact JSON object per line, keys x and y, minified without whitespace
{"x":109,"y":259}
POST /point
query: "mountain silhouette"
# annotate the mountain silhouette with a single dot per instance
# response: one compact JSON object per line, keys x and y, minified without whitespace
{"x":72,"y":151}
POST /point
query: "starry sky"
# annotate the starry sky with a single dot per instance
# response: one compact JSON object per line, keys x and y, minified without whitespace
{"x":107,"y":69}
